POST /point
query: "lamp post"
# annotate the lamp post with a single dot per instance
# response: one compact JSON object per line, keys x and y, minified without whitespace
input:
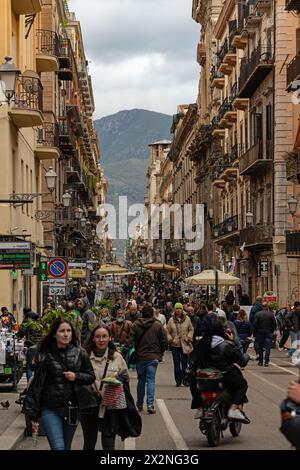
{"x":66,"y":199}
{"x":51,"y":178}
{"x":8,"y":76}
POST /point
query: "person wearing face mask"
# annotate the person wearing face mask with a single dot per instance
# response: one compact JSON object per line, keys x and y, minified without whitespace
{"x":179,"y":328}
{"x":120,"y":328}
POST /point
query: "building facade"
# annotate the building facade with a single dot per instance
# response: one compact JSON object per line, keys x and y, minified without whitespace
{"x":250,"y":123}
{"x":48,"y":124}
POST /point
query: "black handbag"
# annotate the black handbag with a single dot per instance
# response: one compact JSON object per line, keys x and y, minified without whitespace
{"x":87,"y":394}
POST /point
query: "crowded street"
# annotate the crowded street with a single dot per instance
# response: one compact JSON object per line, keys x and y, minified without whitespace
{"x":174,"y":426}
{"x":149,"y":227}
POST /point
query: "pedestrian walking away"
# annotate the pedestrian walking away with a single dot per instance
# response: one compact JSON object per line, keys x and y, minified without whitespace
{"x":149,"y":338}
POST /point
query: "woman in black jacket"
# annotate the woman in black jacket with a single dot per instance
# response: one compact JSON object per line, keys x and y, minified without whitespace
{"x":57,"y":392}
{"x":216,"y":349}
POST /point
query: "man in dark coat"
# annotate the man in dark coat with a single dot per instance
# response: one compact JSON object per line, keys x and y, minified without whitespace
{"x":149,"y":338}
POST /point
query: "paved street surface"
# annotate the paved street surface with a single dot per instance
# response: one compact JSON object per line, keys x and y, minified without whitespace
{"x":174,"y":427}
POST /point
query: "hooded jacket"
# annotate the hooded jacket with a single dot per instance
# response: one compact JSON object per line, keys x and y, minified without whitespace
{"x":149,"y":339}
{"x":224,"y":354}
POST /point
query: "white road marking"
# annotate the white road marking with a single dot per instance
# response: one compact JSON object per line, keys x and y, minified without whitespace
{"x":282,"y":368}
{"x":130,"y":443}
{"x":266,"y":381}
{"x":170,"y":425}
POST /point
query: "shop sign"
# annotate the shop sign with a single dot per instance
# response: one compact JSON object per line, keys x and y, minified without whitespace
{"x":77,"y":272}
{"x":15,"y":255}
{"x":263,"y":268}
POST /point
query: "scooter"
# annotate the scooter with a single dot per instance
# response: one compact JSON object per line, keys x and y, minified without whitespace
{"x":216,"y":403}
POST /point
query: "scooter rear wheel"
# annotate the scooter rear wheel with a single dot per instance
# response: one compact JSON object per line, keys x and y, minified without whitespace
{"x":235,"y":428}
{"x":213,"y":433}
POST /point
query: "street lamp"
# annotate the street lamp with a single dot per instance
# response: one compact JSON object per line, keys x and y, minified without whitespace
{"x":78,"y":213}
{"x":83,"y":222}
{"x":292,"y":205}
{"x":249,"y":218}
{"x":50,"y":178}
{"x":66,"y":199}
{"x":8,"y":76}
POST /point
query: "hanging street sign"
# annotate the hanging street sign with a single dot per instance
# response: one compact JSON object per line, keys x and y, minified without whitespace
{"x":57,"y":268}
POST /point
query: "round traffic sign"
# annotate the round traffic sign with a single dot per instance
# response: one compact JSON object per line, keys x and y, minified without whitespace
{"x":57,"y":268}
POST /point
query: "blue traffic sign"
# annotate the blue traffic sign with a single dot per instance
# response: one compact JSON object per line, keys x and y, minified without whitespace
{"x":57,"y":268}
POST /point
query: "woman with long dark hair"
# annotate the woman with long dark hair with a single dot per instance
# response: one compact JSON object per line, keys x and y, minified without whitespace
{"x":106,"y":362}
{"x":55,"y":393}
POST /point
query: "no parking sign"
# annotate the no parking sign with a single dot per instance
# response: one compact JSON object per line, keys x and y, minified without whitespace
{"x":57,"y":268}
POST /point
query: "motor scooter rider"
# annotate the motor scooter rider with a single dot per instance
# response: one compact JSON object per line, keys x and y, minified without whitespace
{"x":217,"y":349}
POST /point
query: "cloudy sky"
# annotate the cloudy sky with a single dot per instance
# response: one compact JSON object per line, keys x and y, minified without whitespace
{"x":142,"y":53}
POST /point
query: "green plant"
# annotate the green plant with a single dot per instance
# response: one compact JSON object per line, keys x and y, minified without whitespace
{"x":106,"y":303}
{"x":273,"y":306}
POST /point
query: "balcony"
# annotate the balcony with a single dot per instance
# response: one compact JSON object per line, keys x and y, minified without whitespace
{"x":27,"y":111}
{"x":227,"y":115}
{"x":66,"y":60}
{"x":47,"y":51}
{"x":72,"y":175}
{"x":67,"y":141}
{"x":252,"y":160}
{"x":292,"y":5}
{"x":201,"y":53}
{"x":254,"y":71}
{"x":231,"y":171}
{"x":227,"y":229}
{"x":293,"y":167}
{"x":217,"y":131}
{"x":26,"y":7}
{"x":47,"y":142}
{"x":293,"y":243}
{"x":258,"y":236}
{"x":218,"y":175}
{"x":263,"y":5}
{"x":217,"y":78}
{"x":224,"y":62}
{"x":293,"y":73}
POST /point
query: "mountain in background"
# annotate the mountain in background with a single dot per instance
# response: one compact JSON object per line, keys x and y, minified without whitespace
{"x":124,"y":139}
{"x":125,"y":154}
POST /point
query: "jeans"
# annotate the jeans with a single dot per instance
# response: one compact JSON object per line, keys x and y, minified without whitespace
{"x":180,"y":361}
{"x":264,"y":340}
{"x":284,"y":338}
{"x":295,"y":341}
{"x":29,"y":356}
{"x":146,"y":371}
{"x":59,"y":433}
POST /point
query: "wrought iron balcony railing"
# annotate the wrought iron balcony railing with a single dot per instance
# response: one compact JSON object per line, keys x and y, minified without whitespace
{"x":254,"y":70}
{"x":228,"y":226}
{"x":29,"y":93}
{"x":48,"y":135}
{"x":47,"y":42}
{"x":293,"y":73}
{"x":260,"y":234}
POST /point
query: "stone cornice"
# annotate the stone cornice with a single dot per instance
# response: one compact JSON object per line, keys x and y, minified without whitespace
{"x":224,"y":16}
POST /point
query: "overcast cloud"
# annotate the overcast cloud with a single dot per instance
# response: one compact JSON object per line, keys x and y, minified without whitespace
{"x":142,"y":53}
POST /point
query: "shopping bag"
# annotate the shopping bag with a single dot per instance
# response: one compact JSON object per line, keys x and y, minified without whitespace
{"x":114,"y":397}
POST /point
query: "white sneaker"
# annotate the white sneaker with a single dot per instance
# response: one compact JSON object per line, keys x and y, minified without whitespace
{"x":236,"y":414}
{"x":199,"y":413}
